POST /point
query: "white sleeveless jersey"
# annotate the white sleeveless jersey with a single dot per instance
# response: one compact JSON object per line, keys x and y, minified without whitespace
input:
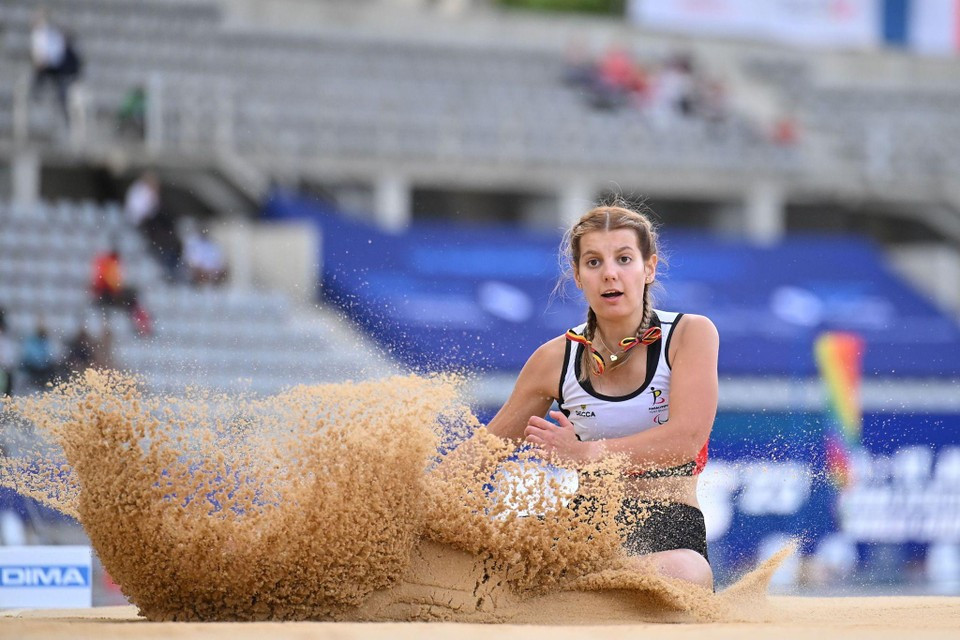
{"x":596,"y":416}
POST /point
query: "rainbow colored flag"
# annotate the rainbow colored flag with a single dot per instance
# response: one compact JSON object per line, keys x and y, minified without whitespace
{"x":840,"y":358}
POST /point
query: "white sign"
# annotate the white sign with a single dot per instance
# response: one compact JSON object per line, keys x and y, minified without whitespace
{"x":45,"y":577}
{"x":934,"y":26}
{"x":752,"y":488}
{"x":842,"y":23}
{"x":909,"y":496}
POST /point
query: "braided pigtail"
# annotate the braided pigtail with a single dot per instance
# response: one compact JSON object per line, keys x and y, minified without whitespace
{"x":589,"y":332}
{"x":647,"y":309}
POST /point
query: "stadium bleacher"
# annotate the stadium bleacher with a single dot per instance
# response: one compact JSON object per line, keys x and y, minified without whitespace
{"x":888,"y":131}
{"x":303,"y":96}
{"x":231,"y":339}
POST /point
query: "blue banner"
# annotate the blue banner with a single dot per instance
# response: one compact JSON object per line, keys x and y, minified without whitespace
{"x":442,"y":296}
{"x":766,"y":483}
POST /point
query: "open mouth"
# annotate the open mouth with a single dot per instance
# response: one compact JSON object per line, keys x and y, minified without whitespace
{"x":611,"y":294}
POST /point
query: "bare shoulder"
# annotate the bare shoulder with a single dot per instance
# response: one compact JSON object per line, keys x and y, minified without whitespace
{"x":540,"y":374}
{"x":536,"y":388}
{"x":694,"y":331}
{"x":548,"y":358}
{"x":552,"y":349}
{"x":697,"y":325}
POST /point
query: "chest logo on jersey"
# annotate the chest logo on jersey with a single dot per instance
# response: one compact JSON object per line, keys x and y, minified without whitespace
{"x":658,"y":397}
{"x":659,"y":402}
{"x":582,"y":412}
{"x":659,"y":406}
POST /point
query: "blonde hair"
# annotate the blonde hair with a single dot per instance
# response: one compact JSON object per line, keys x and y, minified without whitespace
{"x":610,"y":218}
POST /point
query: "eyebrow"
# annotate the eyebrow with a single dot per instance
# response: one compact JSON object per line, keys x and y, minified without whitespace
{"x":621,"y":249}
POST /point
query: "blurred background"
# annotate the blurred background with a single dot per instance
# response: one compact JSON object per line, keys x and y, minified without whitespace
{"x":249,"y":194}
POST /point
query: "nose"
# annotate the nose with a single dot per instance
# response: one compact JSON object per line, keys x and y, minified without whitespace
{"x":609,"y":271}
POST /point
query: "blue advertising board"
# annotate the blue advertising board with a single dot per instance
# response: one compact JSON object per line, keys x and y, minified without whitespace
{"x":766,"y":480}
{"x":441,"y":296}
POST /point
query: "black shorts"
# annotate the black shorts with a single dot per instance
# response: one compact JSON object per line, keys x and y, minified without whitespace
{"x":654,"y":526}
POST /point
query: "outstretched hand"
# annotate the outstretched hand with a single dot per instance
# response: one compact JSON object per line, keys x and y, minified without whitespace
{"x":558,"y":440}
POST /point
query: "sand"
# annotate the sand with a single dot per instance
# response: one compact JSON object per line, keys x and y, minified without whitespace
{"x":783,"y":617}
{"x":343,"y":503}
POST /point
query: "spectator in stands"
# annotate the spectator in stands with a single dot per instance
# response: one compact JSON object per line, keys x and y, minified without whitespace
{"x":786,"y":131}
{"x":54,"y":58}
{"x":621,"y":372}
{"x":202,"y":257}
{"x":617,"y":76}
{"x":109,"y":290}
{"x":144,"y":209}
{"x":107,"y":282}
{"x":81,"y":352}
{"x":713,"y":102}
{"x":86,"y":350}
{"x":8,"y":357}
{"x":142,"y":201}
{"x":579,"y":71}
{"x":38,"y":359}
{"x":132,"y":113}
{"x":166,"y":244}
{"x":674,"y":90}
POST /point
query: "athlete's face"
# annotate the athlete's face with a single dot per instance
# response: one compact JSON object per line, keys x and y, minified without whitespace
{"x":612,"y":272}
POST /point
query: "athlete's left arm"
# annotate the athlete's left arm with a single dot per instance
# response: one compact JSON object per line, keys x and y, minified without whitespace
{"x":693,"y":402}
{"x":693,"y":407}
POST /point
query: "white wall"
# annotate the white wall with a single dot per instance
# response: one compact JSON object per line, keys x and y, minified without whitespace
{"x":275,"y":255}
{"x":934,"y":269}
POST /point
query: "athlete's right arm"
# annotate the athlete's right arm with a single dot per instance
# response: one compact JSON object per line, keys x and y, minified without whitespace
{"x":536,"y":388}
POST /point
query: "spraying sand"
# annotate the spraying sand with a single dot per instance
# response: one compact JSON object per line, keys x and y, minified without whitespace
{"x":327,"y":503}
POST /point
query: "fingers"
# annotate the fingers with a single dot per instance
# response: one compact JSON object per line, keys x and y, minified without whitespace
{"x":561,"y":419}
{"x":544,"y":433}
{"x":541,"y":423}
{"x":535,"y":431}
{"x":535,"y":439}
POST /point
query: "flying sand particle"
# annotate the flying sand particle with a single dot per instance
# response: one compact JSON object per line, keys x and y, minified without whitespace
{"x":331,"y":502}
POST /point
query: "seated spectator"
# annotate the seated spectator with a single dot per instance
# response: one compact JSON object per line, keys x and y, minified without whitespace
{"x":617,"y":69}
{"x":687,"y":98}
{"x":107,"y":283}
{"x":166,"y":244}
{"x":144,"y":209}
{"x":81,"y":352}
{"x":8,"y":357}
{"x":579,"y":70}
{"x":786,"y":132}
{"x":108,"y":289}
{"x":713,"y":102}
{"x":142,"y":201}
{"x":132,"y":113}
{"x":38,"y":359}
{"x":203,"y":258}
{"x":615,"y":79}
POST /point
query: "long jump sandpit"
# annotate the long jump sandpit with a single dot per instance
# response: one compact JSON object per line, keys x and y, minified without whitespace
{"x":210,"y":510}
{"x":784,"y":618}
